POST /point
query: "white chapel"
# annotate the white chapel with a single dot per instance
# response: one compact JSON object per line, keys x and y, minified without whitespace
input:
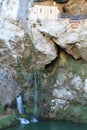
{"x":46,"y":10}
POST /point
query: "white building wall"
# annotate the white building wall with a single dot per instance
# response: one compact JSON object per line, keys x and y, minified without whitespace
{"x":39,"y":11}
{"x":46,"y":12}
{"x":56,"y":13}
{"x":52,"y":12}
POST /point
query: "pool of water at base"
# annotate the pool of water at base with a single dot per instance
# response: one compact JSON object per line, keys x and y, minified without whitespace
{"x":51,"y":125}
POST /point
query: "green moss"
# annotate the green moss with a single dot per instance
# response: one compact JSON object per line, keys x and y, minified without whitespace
{"x":78,"y":67}
{"x":28,"y":112}
{"x":1,"y":110}
{"x":27,"y":60}
{"x":65,"y":114}
{"x":8,"y":121}
{"x":20,"y":75}
{"x":28,"y":109}
{"x":80,"y":112}
{"x":73,"y":113}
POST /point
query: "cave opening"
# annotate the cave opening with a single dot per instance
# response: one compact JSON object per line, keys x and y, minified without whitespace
{"x":61,"y":56}
{"x":49,"y":67}
{"x":61,"y":1}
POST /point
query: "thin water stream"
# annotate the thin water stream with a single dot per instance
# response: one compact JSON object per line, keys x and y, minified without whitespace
{"x":20,"y":110}
{"x":35,"y":95}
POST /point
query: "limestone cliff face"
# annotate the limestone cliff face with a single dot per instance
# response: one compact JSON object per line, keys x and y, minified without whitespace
{"x":16,"y":22}
{"x":8,"y":87}
{"x":65,"y":94}
{"x":28,"y":44}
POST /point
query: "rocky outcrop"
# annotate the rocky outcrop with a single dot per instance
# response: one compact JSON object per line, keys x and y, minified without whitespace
{"x":9,"y":120}
{"x":9,"y":88}
{"x":75,"y":7}
{"x":29,"y":44}
{"x":68,"y":34}
{"x":65,"y":90}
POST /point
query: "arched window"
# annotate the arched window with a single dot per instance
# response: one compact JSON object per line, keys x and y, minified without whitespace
{"x":50,"y":11}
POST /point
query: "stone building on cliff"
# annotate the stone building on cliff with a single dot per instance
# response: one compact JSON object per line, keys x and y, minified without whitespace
{"x":46,"y":10}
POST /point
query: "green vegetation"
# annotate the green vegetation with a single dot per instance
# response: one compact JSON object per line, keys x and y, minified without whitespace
{"x":21,"y":76}
{"x":1,"y":110}
{"x":78,"y":67}
{"x":25,"y":62}
{"x":28,"y":110}
{"x":8,"y":121}
{"x":66,"y":65}
{"x":74,"y":112}
{"x":80,"y":112}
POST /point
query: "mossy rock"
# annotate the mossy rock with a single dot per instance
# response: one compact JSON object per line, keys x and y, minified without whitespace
{"x":8,"y":121}
{"x":28,"y":110}
{"x":1,"y":110}
{"x":73,"y":113}
{"x":78,"y":67}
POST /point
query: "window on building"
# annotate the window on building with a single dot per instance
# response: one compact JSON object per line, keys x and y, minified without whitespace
{"x":40,"y":10}
{"x":50,"y":11}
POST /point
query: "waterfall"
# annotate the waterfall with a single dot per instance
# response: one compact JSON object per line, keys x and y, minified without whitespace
{"x":20,"y":110}
{"x":33,"y":118}
{"x":35,"y":95}
{"x":19,"y":104}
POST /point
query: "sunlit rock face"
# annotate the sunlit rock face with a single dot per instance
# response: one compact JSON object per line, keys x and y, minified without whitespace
{"x":66,"y":33}
{"x":9,"y":89}
{"x":16,"y":21}
{"x":11,"y":39}
{"x":75,"y":7}
{"x":11,"y":31}
{"x":13,"y":28}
